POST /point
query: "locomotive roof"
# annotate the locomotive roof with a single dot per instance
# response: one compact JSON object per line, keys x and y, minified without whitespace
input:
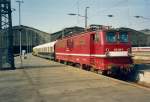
{"x":92,"y":31}
{"x":119,"y":29}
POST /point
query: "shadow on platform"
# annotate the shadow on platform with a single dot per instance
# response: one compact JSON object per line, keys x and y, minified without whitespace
{"x":41,"y":66}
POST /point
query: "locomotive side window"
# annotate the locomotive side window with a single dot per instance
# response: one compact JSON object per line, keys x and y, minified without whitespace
{"x":70,"y":43}
{"x":95,"y":37}
{"x":123,"y":37}
{"x":111,"y":37}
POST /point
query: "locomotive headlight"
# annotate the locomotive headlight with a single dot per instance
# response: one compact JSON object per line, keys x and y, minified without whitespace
{"x":107,"y":52}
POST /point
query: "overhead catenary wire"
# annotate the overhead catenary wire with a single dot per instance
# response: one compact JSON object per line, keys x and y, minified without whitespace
{"x":125,"y":7}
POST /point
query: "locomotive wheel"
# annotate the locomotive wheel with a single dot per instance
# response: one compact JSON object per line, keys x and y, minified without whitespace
{"x":100,"y":72}
{"x":93,"y":70}
{"x":70,"y":63}
{"x":81,"y":66}
{"x":78,"y":65}
{"x":65,"y":63}
{"x":88,"y":68}
{"x":84,"y":67}
{"x":104,"y":72}
{"x":73,"y":64}
{"x":109,"y":72}
{"x":56,"y":60}
{"x":61,"y":61}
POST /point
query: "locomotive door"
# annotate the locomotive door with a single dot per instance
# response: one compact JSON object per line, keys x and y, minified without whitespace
{"x":92,"y":48}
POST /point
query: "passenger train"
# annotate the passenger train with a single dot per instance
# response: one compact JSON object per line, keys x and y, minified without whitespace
{"x":100,"y":49}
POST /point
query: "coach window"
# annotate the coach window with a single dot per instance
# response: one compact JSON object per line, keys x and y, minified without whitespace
{"x":110,"y":37}
{"x":51,"y":49}
{"x":123,"y":37}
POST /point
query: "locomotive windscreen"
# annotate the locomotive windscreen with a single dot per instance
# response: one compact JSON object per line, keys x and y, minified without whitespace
{"x":111,"y":37}
{"x":123,"y":37}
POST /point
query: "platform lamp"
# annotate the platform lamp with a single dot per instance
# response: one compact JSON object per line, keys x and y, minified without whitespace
{"x":85,"y":16}
{"x":19,"y":7}
{"x":110,"y":16}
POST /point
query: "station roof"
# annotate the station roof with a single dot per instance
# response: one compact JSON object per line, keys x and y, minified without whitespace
{"x":66,"y":32}
{"x":29,"y":28}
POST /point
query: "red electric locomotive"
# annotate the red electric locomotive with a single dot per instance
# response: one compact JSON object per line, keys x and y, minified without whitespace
{"x":101,"y":49}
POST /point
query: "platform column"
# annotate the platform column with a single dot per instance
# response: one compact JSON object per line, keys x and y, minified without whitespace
{"x":6,"y":36}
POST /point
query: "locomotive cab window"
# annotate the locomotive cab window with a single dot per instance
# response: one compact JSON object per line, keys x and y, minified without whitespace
{"x":123,"y":37}
{"x":111,"y":37}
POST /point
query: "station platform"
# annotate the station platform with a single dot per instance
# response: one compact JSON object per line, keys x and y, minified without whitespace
{"x":141,"y":57}
{"x":41,"y":80}
{"x":142,"y":74}
{"x":142,"y":67}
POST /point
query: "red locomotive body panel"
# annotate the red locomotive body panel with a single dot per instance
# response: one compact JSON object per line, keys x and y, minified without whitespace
{"x":99,"y":49}
{"x":74,"y":49}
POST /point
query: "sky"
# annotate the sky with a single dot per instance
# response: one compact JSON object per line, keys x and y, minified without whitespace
{"x":52,"y":15}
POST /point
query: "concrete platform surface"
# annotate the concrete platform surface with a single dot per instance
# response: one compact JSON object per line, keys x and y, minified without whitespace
{"x":42,"y":80}
{"x":142,"y":74}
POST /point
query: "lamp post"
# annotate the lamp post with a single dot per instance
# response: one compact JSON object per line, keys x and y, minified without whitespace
{"x":142,"y":17}
{"x":110,"y":16}
{"x":19,"y":3}
{"x":85,"y":16}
